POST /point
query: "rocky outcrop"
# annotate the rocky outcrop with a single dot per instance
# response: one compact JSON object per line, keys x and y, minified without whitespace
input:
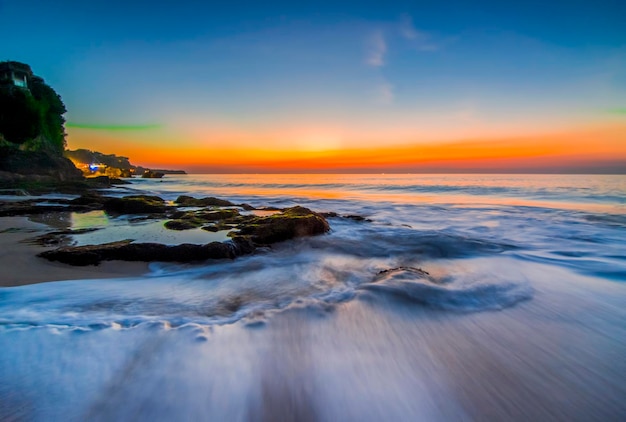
{"x":291,"y":223}
{"x":17,"y":165}
{"x":248,"y":232}
{"x":135,"y":204}
{"x":127,"y":251}
{"x":194,"y":219}
{"x":150,"y":174}
{"x":188,"y":201}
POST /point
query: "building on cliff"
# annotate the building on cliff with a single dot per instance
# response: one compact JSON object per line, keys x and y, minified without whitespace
{"x":16,"y":73}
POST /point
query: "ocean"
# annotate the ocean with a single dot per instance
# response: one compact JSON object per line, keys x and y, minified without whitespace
{"x":457,"y":297}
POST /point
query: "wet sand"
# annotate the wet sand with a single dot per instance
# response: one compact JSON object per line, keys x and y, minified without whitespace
{"x":20,"y":265}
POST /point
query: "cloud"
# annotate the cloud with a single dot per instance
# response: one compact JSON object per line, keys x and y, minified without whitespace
{"x":384,"y":93}
{"x":377,"y":48}
{"x":420,"y":40}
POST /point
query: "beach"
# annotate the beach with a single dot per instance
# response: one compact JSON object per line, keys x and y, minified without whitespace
{"x":21,"y":266}
{"x":449,"y":298}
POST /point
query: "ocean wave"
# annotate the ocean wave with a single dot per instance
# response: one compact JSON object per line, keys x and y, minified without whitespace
{"x":458,"y":293}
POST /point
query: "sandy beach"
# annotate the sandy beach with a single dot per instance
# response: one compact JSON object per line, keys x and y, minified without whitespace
{"x":20,"y":264}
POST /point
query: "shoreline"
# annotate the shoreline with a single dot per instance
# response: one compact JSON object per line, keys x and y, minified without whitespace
{"x":23,"y":267}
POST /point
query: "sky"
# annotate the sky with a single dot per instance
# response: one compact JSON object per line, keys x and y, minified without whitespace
{"x":367,"y":86}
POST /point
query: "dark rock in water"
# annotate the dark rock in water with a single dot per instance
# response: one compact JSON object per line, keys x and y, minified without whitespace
{"x":194,"y":219}
{"x":135,"y":204}
{"x":127,"y":251}
{"x":105,"y":181}
{"x":59,"y":238}
{"x":411,"y":270}
{"x":188,"y":201}
{"x":291,"y":223}
{"x":30,"y":207}
{"x":451,"y":292}
{"x":247,"y":207}
{"x":91,"y":199}
{"x":357,"y":218}
{"x":251,"y":232}
{"x":182,"y":224}
{"x":116,"y":181}
{"x":149,"y":174}
{"x":217,"y":214}
{"x":353,"y":217}
{"x":98,"y":181}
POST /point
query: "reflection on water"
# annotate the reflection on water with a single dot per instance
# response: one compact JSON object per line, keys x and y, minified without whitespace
{"x":112,"y":229}
{"x":56,"y":220}
{"x":596,"y":193}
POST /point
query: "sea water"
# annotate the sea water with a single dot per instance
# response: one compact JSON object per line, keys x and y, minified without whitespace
{"x":461,"y":297}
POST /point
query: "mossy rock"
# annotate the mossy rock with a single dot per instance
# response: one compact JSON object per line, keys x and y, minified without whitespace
{"x":216,"y":215}
{"x":193,"y":219}
{"x":135,"y":204}
{"x":188,"y":201}
{"x":182,"y":224}
{"x":291,"y":223}
{"x":148,"y":252}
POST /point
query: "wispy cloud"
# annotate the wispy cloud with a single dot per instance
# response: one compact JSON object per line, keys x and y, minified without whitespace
{"x":377,"y":48}
{"x":384,"y":93}
{"x":420,"y":40}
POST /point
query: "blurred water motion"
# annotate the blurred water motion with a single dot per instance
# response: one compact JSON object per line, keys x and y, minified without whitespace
{"x":516,"y":314}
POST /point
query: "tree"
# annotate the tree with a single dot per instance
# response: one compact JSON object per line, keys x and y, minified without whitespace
{"x":32,"y":116}
{"x":20,"y":117}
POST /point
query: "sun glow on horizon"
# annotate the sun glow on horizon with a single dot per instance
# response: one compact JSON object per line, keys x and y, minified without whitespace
{"x":317,"y":150}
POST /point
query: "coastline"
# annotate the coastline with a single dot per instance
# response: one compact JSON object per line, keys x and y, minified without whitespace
{"x":22,"y":265}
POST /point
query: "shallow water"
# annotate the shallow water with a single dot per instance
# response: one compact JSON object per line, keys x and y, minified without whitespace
{"x":520,"y":315}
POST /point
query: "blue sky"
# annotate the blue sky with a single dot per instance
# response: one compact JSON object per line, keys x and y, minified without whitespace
{"x":398,"y":72}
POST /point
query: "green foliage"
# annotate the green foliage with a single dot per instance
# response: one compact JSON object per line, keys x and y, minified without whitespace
{"x":33,"y":117}
{"x":51,"y":109}
{"x":20,"y":117}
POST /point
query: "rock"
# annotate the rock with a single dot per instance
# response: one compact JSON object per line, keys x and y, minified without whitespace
{"x":194,"y":219}
{"x":188,"y":201}
{"x":182,"y":224}
{"x":91,"y":199}
{"x":252,"y":232}
{"x":98,"y":182}
{"x":29,"y":207}
{"x":291,"y":223}
{"x":357,"y":218}
{"x":149,"y":174}
{"x":38,"y":164}
{"x":127,"y":251}
{"x":135,"y":204}
{"x":59,"y":238}
{"x":217,"y":214}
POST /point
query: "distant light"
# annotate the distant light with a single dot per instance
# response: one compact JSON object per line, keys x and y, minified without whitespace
{"x":93,"y":167}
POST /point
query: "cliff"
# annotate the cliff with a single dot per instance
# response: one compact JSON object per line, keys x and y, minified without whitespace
{"x":32,"y":133}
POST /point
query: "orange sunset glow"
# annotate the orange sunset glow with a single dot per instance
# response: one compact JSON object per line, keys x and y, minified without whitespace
{"x":223,"y":152}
